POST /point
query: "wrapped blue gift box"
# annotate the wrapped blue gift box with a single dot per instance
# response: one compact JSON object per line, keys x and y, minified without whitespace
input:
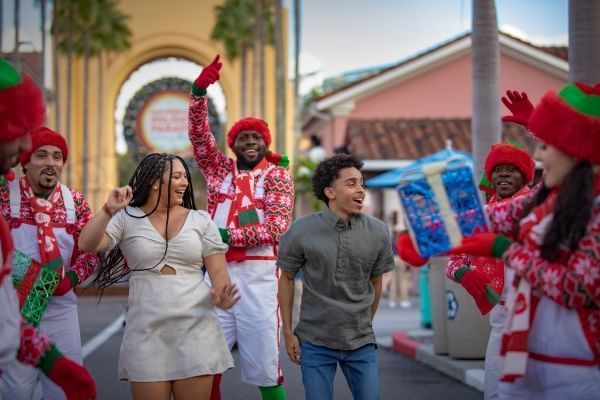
{"x":441,"y":205}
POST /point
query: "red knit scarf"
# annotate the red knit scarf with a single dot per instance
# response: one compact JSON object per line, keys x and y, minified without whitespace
{"x":50,"y":256}
{"x":243,"y":211}
{"x":520,"y":303}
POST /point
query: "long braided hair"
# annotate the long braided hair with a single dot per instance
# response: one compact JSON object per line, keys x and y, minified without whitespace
{"x":113,"y":266}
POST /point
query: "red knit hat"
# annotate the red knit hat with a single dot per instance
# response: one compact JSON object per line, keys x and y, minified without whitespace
{"x":511,"y":154}
{"x":249,"y":124}
{"x":22,"y":107}
{"x":570,"y":121}
{"x":43,"y":137}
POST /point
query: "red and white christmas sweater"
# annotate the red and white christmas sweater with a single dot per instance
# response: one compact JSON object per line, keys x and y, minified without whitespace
{"x":278,"y":203}
{"x":573,"y":282}
{"x":82,"y":263}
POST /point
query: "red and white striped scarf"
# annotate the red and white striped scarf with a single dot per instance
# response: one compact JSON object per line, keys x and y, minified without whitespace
{"x":243,"y":210}
{"x":520,"y":303}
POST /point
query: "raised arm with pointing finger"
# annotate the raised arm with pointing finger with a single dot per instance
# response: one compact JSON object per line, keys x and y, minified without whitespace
{"x":250,"y":199}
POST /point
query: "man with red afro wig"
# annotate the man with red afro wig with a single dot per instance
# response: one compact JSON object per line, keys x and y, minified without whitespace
{"x":251,"y":199}
{"x":22,"y":110}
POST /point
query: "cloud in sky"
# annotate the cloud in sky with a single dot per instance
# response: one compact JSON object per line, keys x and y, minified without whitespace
{"x":351,"y":34}
{"x":556,"y":40}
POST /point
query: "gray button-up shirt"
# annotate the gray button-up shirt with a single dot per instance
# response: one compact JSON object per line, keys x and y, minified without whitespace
{"x":337,"y":261}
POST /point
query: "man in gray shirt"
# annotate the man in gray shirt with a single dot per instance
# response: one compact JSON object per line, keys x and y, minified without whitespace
{"x":342,"y":255}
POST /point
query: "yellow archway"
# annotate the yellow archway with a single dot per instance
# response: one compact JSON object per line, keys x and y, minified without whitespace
{"x":159,"y":30}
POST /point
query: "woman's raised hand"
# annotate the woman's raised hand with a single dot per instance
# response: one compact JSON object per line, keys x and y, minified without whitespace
{"x":118,"y":198}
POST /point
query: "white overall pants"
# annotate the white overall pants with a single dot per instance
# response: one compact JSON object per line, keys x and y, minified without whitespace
{"x":254,"y":322}
{"x":555,"y":332}
{"x":60,"y":321}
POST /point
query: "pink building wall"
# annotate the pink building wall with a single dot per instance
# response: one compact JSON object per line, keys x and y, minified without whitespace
{"x":442,"y":92}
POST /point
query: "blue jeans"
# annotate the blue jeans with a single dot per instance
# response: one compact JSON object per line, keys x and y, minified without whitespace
{"x":359,"y":366}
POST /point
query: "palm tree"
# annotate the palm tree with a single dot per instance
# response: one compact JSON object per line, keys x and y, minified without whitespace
{"x":297,"y":31}
{"x":111,"y":35}
{"x":280,"y":104}
{"x":234,"y":30}
{"x":88,"y":29}
{"x":485,"y":54}
{"x":259,"y":58}
{"x":17,"y":24}
{"x":87,"y":12}
{"x":1,"y":27}
{"x":584,"y":41}
{"x":43,"y":13}
{"x":63,"y":30}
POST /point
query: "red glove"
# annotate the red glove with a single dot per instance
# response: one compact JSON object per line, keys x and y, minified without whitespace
{"x":68,"y":282}
{"x":485,"y":244}
{"x":73,"y":379}
{"x":520,"y":107}
{"x":209,"y":75}
{"x":474,"y":282}
{"x":407,"y":252}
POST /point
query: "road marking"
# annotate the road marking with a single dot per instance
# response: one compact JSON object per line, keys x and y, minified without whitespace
{"x":97,"y":341}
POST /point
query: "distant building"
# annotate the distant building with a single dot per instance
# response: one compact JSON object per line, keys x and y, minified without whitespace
{"x":418,"y":106}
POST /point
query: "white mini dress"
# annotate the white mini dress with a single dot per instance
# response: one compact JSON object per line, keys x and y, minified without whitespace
{"x":172,"y":331}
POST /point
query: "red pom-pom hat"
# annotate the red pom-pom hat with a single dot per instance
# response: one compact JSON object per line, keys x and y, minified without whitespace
{"x":570,"y":121}
{"x":22,"y":107}
{"x":249,"y":124}
{"x":505,"y":153}
{"x":42,"y":137}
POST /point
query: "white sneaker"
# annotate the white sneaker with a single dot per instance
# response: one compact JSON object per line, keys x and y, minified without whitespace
{"x":405,"y":304}
{"x":392,"y":304}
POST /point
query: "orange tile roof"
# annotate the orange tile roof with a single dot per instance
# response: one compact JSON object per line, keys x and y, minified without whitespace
{"x":409,"y":139}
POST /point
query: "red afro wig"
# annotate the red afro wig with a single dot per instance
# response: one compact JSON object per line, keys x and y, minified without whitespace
{"x":249,"y":124}
{"x":22,"y":109}
{"x":43,"y":137}
{"x":504,"y":153}
{"x":570,"y":121}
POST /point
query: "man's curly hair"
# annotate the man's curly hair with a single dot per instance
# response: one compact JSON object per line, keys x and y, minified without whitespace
{"x":328,"y":171}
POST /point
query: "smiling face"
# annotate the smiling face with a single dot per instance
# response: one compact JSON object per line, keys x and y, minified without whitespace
{"x":346,"y":194}
{"x":507,"y":180}
{"x":249,"y":148}
{"x":44,"y":168}
{"x":179,"y":183}
{"x":557,"y":165}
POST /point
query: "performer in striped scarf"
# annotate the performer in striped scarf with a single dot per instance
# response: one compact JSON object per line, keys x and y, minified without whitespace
{"x":551,"y":240}
{"x":22,"y":110}
{"x":509,"y":170}
{"x":251,"y":200}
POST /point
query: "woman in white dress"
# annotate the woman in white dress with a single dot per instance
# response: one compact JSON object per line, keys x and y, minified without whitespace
{"x":152,"y":232}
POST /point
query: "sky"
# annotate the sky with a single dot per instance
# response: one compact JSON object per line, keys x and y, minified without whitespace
{"x":345,"y":35}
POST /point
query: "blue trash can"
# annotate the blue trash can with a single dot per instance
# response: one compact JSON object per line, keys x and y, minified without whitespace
{"x":425,"y":297}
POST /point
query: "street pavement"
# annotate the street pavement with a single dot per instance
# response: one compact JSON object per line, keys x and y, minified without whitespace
{"x":403,"y":375}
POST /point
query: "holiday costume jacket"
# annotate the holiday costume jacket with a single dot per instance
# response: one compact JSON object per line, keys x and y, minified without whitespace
{"x":82,"y":263}
{"x":278,"y":185}
{"x":572,"y":283}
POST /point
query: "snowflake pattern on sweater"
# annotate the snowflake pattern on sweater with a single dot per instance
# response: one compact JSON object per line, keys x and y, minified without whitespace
{"x":278,"y":202}
{"x":83,"y":263}
{"x":573,"y":281}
